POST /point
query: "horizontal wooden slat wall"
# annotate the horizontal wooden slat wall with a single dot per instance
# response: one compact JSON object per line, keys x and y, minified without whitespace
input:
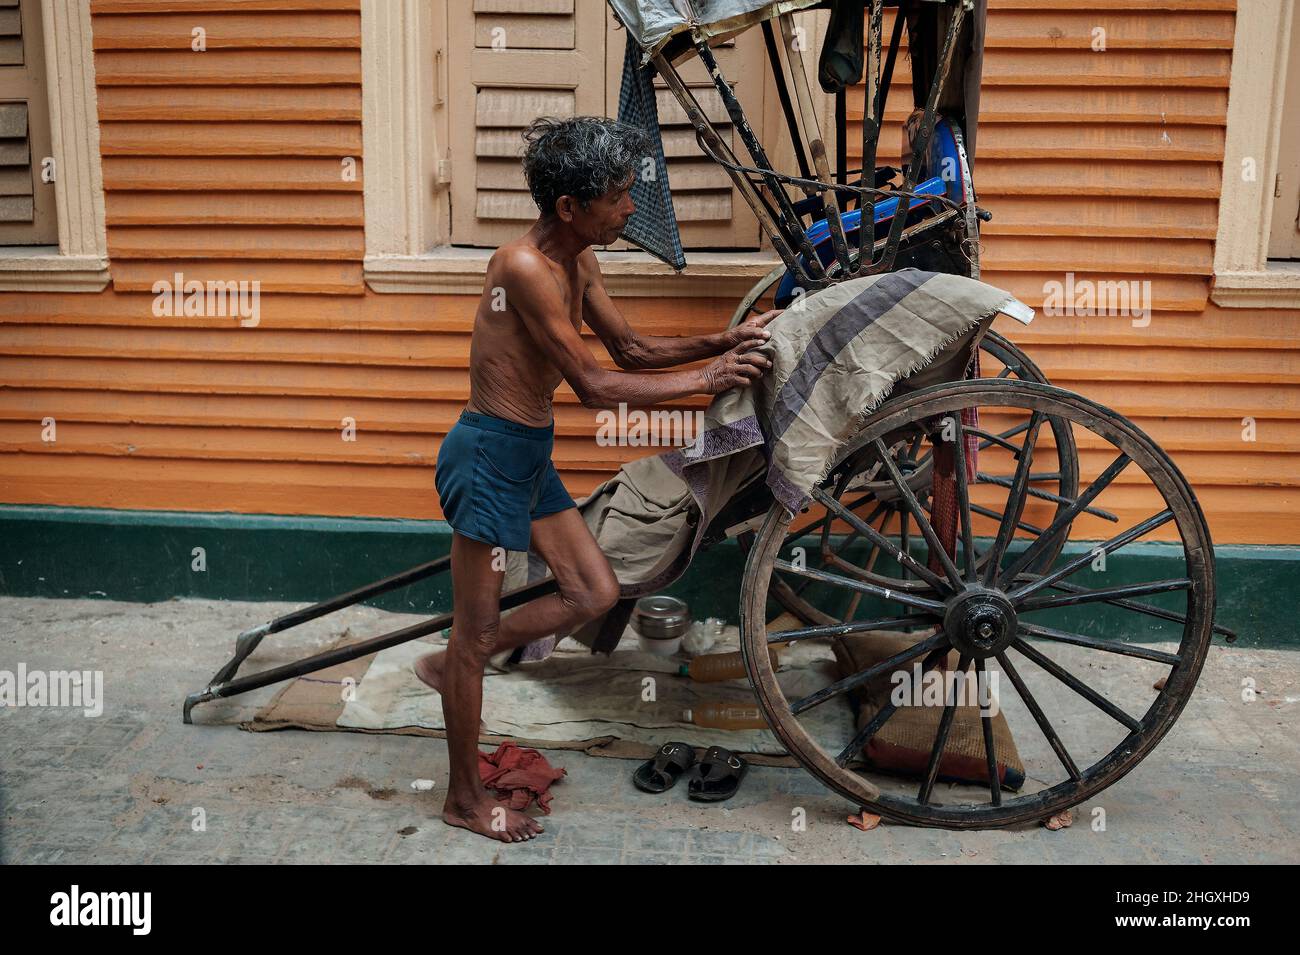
{"x":226,"y":164}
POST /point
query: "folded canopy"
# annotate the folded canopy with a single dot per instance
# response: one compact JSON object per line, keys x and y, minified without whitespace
{"x":651,"y":23}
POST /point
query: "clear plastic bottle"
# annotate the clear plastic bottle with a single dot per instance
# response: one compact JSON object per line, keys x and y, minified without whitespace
{"x":725,"y":716}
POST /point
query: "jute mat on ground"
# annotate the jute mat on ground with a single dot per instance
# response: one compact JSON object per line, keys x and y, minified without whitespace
{"x":624,"y":705}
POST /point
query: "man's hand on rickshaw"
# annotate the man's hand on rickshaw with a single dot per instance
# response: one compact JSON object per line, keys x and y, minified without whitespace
{"x":752,"y":329}
{"x":739,"y":366}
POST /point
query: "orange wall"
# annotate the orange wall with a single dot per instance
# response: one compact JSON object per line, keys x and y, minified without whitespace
{"x":226,"y":164}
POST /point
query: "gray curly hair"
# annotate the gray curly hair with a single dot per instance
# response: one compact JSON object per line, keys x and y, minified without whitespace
{"x":583,"y":157}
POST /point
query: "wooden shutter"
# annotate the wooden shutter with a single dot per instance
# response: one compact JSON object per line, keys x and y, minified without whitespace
{"x":710,"y":211}
{"x":1284,"y":235}
{"x":27,"y":214}
{"x":510,"y":62}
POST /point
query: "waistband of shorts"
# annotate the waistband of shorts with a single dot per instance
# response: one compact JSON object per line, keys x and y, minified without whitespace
{"x":505,"y":426}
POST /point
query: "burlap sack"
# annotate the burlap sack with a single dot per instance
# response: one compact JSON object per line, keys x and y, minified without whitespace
{"x":904,"y":743}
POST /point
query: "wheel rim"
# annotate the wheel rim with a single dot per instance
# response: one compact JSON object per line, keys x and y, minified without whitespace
{"x":1016,"y":603}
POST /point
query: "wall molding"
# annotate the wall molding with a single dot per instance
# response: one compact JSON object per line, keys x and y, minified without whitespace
{"x":1243,"y":275}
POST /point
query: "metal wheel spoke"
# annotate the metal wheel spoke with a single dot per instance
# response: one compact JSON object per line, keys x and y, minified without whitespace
{"x":1015,"y":500}
{"x":1077,"y":685}
{"x":941,"y":737}
{"x":881,"y":541}
{"x":936,"y":548}
{"x":1093,"y":643}
{"x":1040,"y":718}
{"x":1115,"y":543}
{"x":1107,"y":595}
{"x":1064,"y":519}
{"x":986,"y":723}
{"x":898,"y":596}
{"x":844,"y":629}
{"x":934,"y":642}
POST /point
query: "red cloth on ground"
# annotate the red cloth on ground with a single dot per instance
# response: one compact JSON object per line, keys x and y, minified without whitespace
{"x":518,"y":776}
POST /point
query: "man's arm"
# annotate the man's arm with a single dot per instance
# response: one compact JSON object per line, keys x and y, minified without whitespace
{"x":532,"y":291}
{"x":631,"y":350}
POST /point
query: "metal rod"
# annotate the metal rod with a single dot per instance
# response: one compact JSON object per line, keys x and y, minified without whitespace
{"x":329,"y":658}
{"x":249,"y":640}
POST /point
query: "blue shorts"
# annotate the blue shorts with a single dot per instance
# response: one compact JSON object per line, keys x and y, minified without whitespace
{"x":495,"y":477}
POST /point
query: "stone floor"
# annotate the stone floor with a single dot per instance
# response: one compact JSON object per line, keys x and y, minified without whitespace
{"x":136,"y":785}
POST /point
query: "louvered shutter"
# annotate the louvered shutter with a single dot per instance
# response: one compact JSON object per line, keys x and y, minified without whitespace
{"x":27,"y":214}
{"x":510,"y":62}
{"x":1284,"y":235}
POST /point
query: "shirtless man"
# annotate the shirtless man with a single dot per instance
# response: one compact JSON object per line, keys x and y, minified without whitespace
{"x":496,"y":483}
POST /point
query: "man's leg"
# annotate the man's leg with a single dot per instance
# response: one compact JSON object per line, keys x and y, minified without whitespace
{"x":476,"y":589}
{"x":587,"y":589}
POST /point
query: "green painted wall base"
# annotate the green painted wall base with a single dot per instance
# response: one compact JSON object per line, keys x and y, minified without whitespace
{"x":147,"y":556}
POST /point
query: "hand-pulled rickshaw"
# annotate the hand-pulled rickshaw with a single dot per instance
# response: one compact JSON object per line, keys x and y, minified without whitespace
{"x":1061,"y":484}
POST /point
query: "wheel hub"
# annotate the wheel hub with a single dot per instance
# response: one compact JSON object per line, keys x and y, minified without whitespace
{"x":980,"y":623}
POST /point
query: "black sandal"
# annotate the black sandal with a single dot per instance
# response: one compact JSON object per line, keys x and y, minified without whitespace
{"x":717,"y":776}
{"x":661,"y":773}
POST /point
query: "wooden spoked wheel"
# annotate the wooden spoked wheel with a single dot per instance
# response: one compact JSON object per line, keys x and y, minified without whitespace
{"x":1047,"y":641}
{"x":860,"y":483}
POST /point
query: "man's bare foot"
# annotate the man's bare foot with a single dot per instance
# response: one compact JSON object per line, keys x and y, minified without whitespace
{"x":489,"y":818}
{"x":429,"y":669}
